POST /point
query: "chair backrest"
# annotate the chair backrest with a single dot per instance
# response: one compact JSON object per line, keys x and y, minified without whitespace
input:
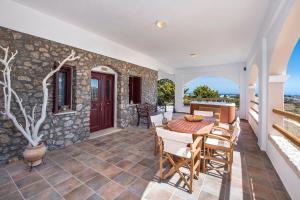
{"x":175,"y":143}
{"x":204,"y":113}
{"x":156,"y":120}
{"x":238,"y":120}
{"x":145,"y":109}
{"x":236,"y":132}
{"x":168,"y":115}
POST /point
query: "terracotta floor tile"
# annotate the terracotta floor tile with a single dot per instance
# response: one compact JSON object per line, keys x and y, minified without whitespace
{"x":58,"y":177}
{"x":207,"y":196}
{"x":7,"y":189}
{"x":60,"y":157}
{"x":110,"y":191}
{"x":97,"y":182}
{"x":146,"y":162}
{"x":175,"y":197}
{"x":263,"y":192}
{"x":4,"y":177}
{"x":138,"y":186}
{"x":95,"y":197}
{"x":125,"y":179}
{"x":73,"y":166}
{"x":134,"y":158}
{"x":94,"y":163}
{"x":114,"y":159}
{"x":124,"y":164}
{"x":46,"y":164}
{"x":48,"y":194}
{"x":112,"y":171}
{"x":86,"y":174}
{"x":138,"y":170}
{"x":83,"y":156}
{"x":27,"y":180}
{"x":21,"y":172}
{"x":50,"y":170}
{"x":97,"y":164}
{"x":150,"y":174}
{"x":127,"y":195}
{"x":12,"y":196}
{"x":67,"y":186}
{"x":80,"y":193}
{"x":158,"y":193}
{"x":34,"y":188}
{"x":104,"y":155}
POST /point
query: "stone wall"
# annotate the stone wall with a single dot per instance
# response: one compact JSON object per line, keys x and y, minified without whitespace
{"x":35,"y":59}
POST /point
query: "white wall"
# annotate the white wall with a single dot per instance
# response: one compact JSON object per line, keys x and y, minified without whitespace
{"x":262,"y":56}
{"x":30,"y":21}
{"x":165,"y":75}
{"x":287,"y":175}
{"x":232,"y":72}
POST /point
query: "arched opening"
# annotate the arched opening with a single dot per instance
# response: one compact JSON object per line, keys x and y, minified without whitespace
{"x":291,"y":86}
{"x":165,"y":94}
{"x":253,"y":98}
{"x":286,"y":41}
{"x":211,"y":88}
{"x":104,"y":81}
{"x":213,"y":91}
{"x":253,"y":91}
{"x":292,"y":91}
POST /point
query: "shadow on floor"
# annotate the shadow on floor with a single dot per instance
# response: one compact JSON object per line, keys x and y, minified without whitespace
{"x":122,"y":166}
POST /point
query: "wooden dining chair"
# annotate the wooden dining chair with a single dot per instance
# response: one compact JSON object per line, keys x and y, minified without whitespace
{"x":229,"y":126}
{"x":156,"y":121}
{"x":225,"y":130}
{"x":208,"y":112}
{"x":168,"y":115}
{"x":220,"y":150}
{"x":179,"y":150}
{"x":144,"y":111}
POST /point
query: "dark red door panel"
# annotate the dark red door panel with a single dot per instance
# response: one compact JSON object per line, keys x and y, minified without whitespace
{"x":102,"y":101}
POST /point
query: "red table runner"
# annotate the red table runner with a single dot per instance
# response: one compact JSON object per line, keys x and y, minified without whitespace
{"x":199,"y":128}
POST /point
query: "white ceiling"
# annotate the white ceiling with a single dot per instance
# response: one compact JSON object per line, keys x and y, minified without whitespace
{"x":219,"y":32}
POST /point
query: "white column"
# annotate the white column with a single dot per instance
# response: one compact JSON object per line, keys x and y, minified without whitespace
{"x":276,"y":99}
{"x":263,"y":99}
{"x":243,"y":95}
{"x":179,"y":87}
{"x":251,"y":95}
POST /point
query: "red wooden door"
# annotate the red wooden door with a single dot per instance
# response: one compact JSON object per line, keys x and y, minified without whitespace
{"x":102,"y":101}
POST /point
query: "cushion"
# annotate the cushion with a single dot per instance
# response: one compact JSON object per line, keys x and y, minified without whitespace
{"x":217,"y":143}
{"x":204,"y":113}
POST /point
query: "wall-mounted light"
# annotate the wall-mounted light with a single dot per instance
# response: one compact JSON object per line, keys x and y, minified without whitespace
{"x":160,"y":24}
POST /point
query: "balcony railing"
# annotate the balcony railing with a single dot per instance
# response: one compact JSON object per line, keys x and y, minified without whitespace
{"x":292,"y":116}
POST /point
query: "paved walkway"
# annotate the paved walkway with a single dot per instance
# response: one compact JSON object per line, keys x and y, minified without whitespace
{"x":122,"y":166}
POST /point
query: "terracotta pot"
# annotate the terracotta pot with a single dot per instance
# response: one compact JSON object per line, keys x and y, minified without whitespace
{"x":34,"y":155}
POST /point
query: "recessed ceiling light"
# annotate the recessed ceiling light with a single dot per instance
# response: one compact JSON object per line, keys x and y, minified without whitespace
{"x":193,"y":55}
{"x":160,"y":24}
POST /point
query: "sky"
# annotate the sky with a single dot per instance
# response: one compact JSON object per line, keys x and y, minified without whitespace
{"x":216,"y":83}
{"x":292,"y":85}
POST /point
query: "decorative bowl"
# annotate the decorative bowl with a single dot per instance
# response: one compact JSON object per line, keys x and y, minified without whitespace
{"x":193,"y":118}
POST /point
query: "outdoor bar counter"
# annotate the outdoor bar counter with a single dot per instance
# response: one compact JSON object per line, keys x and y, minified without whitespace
{"x":227,"y":110}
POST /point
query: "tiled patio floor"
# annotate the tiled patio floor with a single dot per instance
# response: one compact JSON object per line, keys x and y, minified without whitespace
{"x":122,"y":166}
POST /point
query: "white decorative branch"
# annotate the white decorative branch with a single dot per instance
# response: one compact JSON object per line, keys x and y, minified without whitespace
{"x":32,"y":127}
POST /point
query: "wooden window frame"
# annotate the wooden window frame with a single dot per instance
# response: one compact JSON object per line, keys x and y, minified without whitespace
{"x":69,"y":83}
{"x":135,"y":88}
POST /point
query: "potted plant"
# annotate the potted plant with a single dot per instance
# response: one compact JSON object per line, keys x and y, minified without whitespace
{"x":35,"y":150}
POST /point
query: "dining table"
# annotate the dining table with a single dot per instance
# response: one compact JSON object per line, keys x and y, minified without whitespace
{"x":197,"y":129}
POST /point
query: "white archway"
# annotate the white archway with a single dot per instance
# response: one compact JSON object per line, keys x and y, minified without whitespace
{"x":108,"y":70}
{"x":286,"y":41}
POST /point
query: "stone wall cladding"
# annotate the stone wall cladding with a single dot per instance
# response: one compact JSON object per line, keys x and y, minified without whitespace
{"x":35,"y":59}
